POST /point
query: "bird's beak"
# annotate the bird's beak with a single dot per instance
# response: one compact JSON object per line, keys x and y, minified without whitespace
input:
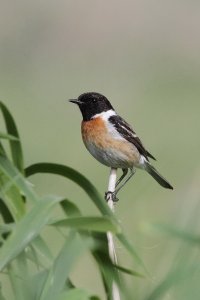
{"x":76,"y":101}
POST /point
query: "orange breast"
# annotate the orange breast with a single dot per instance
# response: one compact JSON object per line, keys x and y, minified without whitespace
{"x":95,"y":132}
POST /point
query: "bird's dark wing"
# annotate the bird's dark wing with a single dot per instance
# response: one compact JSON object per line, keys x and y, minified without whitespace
{"x":127,"y":132}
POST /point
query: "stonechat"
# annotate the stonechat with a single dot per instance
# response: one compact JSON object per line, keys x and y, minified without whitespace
{"x":112,"y":141}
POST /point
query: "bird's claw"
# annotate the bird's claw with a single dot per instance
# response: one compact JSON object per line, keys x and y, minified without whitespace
{"x":111,"y":195}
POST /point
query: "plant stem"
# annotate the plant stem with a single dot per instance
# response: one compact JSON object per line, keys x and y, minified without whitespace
{"x":111,"y":245}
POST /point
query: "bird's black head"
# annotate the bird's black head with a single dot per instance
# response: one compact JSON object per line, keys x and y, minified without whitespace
{"x":91,"y":104}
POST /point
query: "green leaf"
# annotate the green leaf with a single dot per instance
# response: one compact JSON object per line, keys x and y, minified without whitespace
{"x":12,"y":198}
{"x":8,"y":137}
{"x":27,"y":229}
{"x":17,"y":179}
{"x":59,"y":272}
{"x":42,"y":249}
{"x":12,"y":203}
{"x":37,"y":283}
{"x":39,"y":253}
{"x":15,"y":145}
{"x":128,"y":271}
{"x":23,"y":274}
{"x":2,"y":150}
{"x":6,"y":228}
{"x":100,"y":224}
{"x":14,"y":281}
{"x":7,"y":216}
{"x":70,"y":208}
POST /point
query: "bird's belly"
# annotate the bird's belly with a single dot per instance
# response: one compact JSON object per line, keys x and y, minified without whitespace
{"x":109,"y":157}
{"x":115,"y":155}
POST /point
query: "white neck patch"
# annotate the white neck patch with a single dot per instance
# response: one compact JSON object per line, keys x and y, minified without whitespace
{"x":105,"y":115}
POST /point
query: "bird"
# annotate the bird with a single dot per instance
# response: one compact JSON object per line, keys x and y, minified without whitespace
{"x":112,"y":141}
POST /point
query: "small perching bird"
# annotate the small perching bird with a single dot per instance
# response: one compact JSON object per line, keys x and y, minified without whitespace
{"x":112,"y":141}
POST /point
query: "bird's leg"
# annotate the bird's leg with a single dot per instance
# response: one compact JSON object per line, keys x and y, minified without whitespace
{"x":127,"y":179}
{"x":110,"y":194}
{"x":125,"y":171}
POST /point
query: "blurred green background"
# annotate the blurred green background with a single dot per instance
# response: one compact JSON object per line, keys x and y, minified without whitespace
{"x":144,"y":56}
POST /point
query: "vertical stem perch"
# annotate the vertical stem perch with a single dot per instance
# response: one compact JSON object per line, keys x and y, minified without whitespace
{"x":111,"y":245}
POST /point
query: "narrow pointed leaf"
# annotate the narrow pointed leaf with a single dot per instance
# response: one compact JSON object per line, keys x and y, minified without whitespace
{"x":128,"y":271}
{"x":15,"y":146}
{"x":70,"y":208}
{"x":101,"y":224}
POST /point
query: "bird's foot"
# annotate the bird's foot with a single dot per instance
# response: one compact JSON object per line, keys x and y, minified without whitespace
{"x":111,"y":196}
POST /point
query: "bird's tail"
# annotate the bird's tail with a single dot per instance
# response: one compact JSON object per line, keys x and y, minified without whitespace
{"x":159,"y":178}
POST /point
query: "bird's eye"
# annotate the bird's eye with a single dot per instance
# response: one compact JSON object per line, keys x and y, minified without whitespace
{"x":94,"y":100}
